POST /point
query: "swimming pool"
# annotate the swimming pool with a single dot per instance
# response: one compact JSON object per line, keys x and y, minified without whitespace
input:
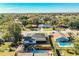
{"x":33,"y":50}
{"x":40,"y":51}
{"x":65,"y":44}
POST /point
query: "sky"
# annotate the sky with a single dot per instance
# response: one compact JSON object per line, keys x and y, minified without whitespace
{"x":38,"y":7}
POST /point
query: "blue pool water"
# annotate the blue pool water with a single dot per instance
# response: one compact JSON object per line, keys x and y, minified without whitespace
{"x":37,"y":51}
{"x":62,"y":39}
{"x":65,"y":44}
{"x":40,"y":51}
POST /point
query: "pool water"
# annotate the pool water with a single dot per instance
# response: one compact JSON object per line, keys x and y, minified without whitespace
{"x":37,"y":51}
{"x":40,"y":51}
{"x":65,"y":44}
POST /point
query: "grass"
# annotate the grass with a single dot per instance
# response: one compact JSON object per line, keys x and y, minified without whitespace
{"x":47,"y":29}
{"x":4,"y":50}
{"x":7,"y":53}
{"x":65,"y":53}
{"x":5,"y":45}
{"x":61,"y":29}
{"x":68,"y":51}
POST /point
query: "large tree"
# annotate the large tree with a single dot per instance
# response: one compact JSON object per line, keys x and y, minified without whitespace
{"x":74,"y":24}
{"x":15,"y":30}
{"x":24,"y":20}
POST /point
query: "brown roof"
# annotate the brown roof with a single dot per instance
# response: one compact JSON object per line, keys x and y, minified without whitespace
{"x":66,"y":35}
{"x":58,"y":35}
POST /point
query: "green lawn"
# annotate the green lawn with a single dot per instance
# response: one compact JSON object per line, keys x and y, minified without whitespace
{"x":7,"y":53}
{"x":4,"y":50}
{"x":47,"y":29}
{"x":5,"y":45}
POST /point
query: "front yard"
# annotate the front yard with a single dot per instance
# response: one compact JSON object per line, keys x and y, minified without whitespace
{"x":6,"y":50}
{"x":7,"y":53}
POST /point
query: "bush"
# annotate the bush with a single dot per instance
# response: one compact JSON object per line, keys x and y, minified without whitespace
{"x":77,"y":52}
{"x":71,"y":51}
{"x":10,"y":49}
{"x":13,"y":45}
{"x":1,"y":50}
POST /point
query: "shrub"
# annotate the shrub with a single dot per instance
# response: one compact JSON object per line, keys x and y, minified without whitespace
{"x":71,"y":51}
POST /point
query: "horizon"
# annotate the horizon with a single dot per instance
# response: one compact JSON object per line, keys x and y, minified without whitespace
{"x":39,"y":7}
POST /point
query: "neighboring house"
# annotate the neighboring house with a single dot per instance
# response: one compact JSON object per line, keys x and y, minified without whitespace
{"x":60,"y":34}
{"x":62,"y":39}
{"x":11,"y":39}
{"x":34,"y":26}
{"x":17,"y":21}
{"x":45,"y":27}
{"x":63,"y":26}
{"x":1,"y":41}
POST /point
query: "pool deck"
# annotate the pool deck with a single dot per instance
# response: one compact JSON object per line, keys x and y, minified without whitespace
{"x":43,"y":53}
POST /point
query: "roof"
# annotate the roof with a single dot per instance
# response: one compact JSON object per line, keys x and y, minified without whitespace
{"x":39,"y":37}
{"x":64,"y":34}
{"x":36,"y":37}
{"x":29,"y":40}
{"x":59,"y":34}
{"x":44,"y":26}
{"x":63,"y":26}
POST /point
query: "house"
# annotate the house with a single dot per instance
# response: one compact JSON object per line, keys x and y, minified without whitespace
{"x":40,"y":38}
{"x":45,"y":27}
{"x":34,"y":26}
{"x":60,"y":34}
{"x":63,"y":26}
{"x":62,"y":39}
{"x":35,"y":38}
{"x":37,"y":43}
{"x":16,"y":20}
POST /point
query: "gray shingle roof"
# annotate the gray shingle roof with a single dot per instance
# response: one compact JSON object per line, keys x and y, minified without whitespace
{"x":39,"y":37}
